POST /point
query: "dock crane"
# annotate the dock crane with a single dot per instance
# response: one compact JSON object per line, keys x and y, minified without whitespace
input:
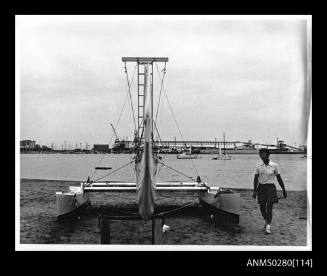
{"x":115,"y":132}
{"x":120,"y":145}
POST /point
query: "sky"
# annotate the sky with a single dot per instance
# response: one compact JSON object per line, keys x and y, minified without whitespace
{"x":243,"y":76}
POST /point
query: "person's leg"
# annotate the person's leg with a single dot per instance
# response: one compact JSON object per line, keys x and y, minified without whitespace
{"x":269,"y":212}
{"x":269,"y":216}
{"x":263,"y":209}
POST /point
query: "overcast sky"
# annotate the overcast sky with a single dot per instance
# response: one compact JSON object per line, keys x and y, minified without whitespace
{"x":244,"y":77}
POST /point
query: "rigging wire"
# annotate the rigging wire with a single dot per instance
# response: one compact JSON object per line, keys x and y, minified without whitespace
{"x":129,"y":91}
{"x":122,"y":110}
{"x":171,"y":110}
{"x":174,"y":117}
{"x":160,"y":140}
{"x":156,"y":128}
{"x":174,"y":210}
{"x":112,"y":135}
{"x":177,"y":171}
{"x":114,"y":171}
{"x":162,"y":80}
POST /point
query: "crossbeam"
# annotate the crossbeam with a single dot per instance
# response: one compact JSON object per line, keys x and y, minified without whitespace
{"x":132,"y":184}
{"x":160,"y":186}
{"x":133,"y":189}
{"x":144,"y":59}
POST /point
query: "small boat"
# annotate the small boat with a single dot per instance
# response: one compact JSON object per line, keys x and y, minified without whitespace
{"x":223,"y":205}
{"x":222,"y":156}
{"x":103,"y":168}
{"x":304,"y":156}
{"x":187,"y":155}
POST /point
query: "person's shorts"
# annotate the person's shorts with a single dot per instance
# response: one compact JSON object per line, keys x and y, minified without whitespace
{"x":267,"y":193}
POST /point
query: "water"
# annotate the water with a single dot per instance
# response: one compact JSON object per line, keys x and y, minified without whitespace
{"x":235,"y":173}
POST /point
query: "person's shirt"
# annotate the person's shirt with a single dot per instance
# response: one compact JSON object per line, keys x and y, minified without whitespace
{"x":267,"y":172}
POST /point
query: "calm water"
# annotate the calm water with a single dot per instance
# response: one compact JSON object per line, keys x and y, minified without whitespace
{"x":235,"y":173}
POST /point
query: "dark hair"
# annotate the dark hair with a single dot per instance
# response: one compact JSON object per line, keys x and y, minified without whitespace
{"x":264,"y":150}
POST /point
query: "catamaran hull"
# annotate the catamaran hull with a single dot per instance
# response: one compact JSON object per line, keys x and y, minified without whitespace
{"x":146,"y":166}
{"x":145,"y":186}
{"x":225,"y":208}
{"x":68,"y":202}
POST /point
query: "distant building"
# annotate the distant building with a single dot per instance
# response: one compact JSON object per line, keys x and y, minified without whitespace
{"x":121,"y":146}
{"x":27,"y":144}
{"x":101,"y":148}
{"x":45,"y":148}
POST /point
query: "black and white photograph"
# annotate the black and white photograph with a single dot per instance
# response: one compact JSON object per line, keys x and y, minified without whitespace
{"x":163,"y":132}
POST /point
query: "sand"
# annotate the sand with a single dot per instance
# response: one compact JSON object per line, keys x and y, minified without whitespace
{"x":191,"y":226}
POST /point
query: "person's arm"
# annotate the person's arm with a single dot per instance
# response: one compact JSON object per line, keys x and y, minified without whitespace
{"x":281,"y":184}
{"x":255,"y":185}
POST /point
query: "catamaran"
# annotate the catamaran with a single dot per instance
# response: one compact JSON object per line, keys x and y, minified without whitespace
{"x":220,"y":201}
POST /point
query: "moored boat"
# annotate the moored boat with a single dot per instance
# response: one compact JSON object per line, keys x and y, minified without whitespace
{"x":222,"y":156}
{"x":186,"y":155}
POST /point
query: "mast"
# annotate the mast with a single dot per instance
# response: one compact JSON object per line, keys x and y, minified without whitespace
{"x":145,"y":162}
{"x":142,"y":62}
{"x":224,"y":143}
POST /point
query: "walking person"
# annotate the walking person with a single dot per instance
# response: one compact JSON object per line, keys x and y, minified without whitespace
{"x":264,"y":186}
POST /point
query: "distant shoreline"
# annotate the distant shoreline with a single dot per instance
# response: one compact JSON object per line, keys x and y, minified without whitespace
{"x":49,"y":180}
{"x":242,"y":153}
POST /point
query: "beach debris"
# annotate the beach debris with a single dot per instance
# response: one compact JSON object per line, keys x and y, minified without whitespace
{"x":165,"y":228}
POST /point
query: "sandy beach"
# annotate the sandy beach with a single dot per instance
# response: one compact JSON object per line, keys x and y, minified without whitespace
{"x":191,"y":226}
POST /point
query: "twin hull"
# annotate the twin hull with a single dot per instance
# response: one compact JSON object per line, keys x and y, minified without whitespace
{"x":224,"y":207}
{"x":70,"y":201}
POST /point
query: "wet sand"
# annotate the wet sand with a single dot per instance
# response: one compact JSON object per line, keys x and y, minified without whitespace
{"x":190,"y":226}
